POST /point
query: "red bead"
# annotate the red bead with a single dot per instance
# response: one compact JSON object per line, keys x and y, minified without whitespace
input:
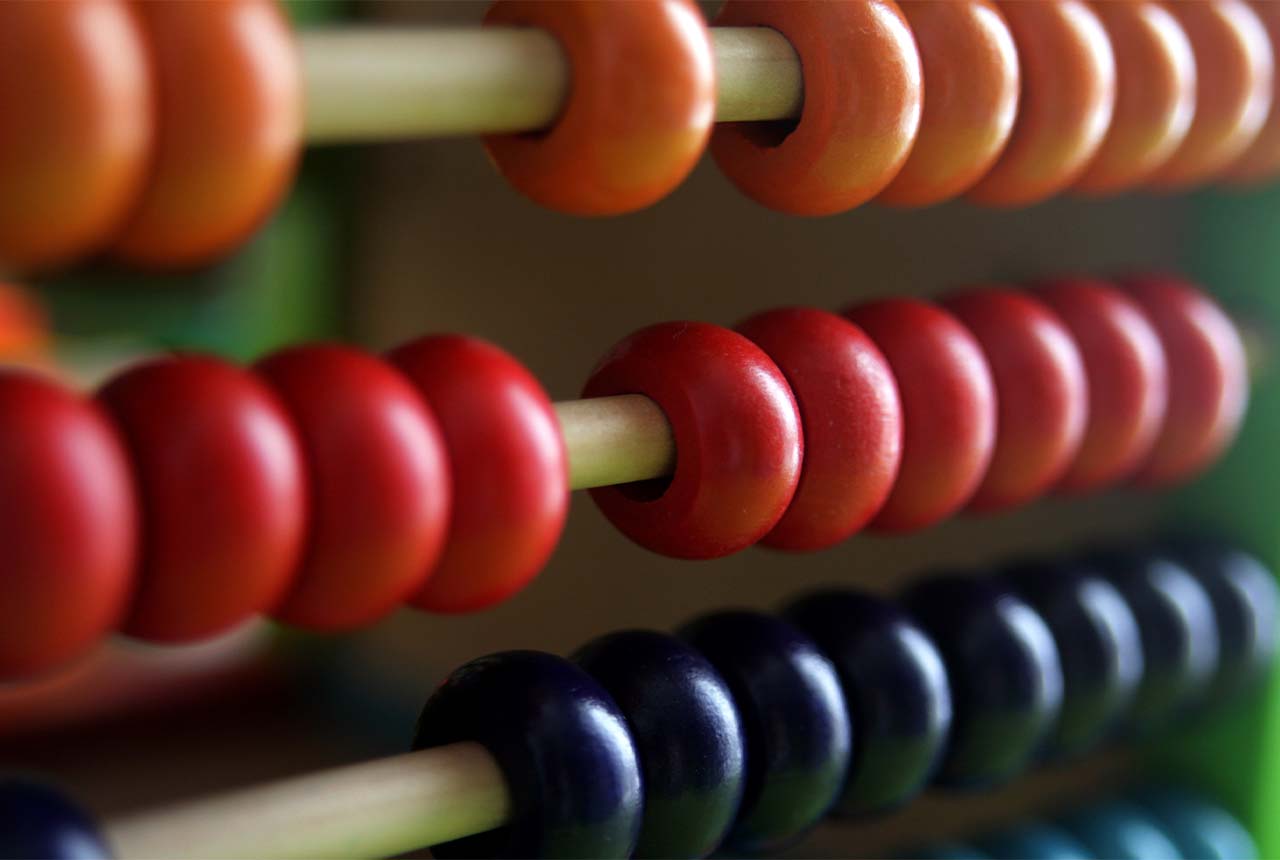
{"x":948,"y":409}
{"x":737,"y":433}
{"x":507,"y":459}
{"x":379,"y":480}
{"x":223,"y":492}
{"x":1125,"y":368}
{"x":68,"y":525}
{"x":851,"y":419}
{"x":639,"y":108}
{"x":1208,"y":378}
{"x":1041,"y":392}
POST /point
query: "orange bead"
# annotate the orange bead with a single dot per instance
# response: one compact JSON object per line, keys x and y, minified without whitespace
{"x":75,"y":127}
{"x":1068,"y":95}
{"x":1261,"y":160}
{"x":229,"y":120}
{"x":1155,"y":95}
{"x":640,"y":107}
{"x":971,"y":79}
{"x":1234,"y":67}
{"x":862,"y":102}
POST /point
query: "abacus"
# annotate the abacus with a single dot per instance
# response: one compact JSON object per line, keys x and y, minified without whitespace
{"x":939,"y":396}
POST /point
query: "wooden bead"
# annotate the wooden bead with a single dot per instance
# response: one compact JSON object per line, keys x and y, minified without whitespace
{"x":68,"y":525}
{"x":37,"y":821}
{"x":1119,"y":830}
{"x":1042,"y":395}
{"x":738,"y":439}
{"x":862,"y":101}
{"x":379,"y":485}
{"x":687,"y":733}
{"x":639,"y":110}
{"x":797,"y":730}
{"x":851,"y":418}
{"x":971,"y":76}
{"x":1155,"y":95}
{"x":229,"y":119}
{"x":948,"y":409}
{"x":1196,"y":828}
{"x":571,"y":769}
{"x":509,"y":471}
{"x":1068,"y":95}
{"x":1261,"y":161}
{"x":1208,"y":378}
{"x":1127,"y":379}
{"x":76,"y":127}
{"x":1234,"y":69}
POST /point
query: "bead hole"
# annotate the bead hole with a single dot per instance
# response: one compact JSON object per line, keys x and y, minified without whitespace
{"x":645,"y":491}
{"x":769,"y":133}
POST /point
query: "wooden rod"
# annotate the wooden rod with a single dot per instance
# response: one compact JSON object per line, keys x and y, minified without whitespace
{"x":615,"y":440}
{"x":365,"y":84}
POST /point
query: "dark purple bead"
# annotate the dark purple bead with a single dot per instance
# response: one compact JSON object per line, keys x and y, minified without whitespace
{"x":896,"y":690}
{"x":37,"y":821}
{"x":1099,"y":646}
{"x":794,"y":722}
{"x":563,"y":746}
{"x":1006,"y":681}
{"x":686,"y":729}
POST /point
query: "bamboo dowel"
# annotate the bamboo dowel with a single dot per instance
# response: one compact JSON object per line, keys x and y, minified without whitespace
{"x":373,"y":809}
{"x":615,"y":440}
{"x":385,"y":84}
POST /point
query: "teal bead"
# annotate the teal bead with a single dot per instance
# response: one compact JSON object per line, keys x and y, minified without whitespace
{"x":1199,"y":829}
{"x":1035,"y":841}
{"x":1121,"y":831}
{"x":948,"y":851}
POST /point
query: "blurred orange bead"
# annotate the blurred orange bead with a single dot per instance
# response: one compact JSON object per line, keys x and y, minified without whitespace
{"x":1262,"y":159}
{"x":229,"y":120}
{"x":24,"y":329}
{"x":1155,"y":95}
{"x":1068,"y":95}
{"x":971,"y":84}
{"x":75,"y":127}
{"x":1234,"y":67}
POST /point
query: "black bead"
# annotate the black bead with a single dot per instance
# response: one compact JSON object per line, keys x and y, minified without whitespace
{"x":563,"y":746}
{"x":896,"y":690}
{"x":1006,"y":681}
{"x":1178,"y":631}
{"x":1244,"y":597}
{"x":686,"y":729}
{"x":794,"y":721}
{"x":1099,"y":646}
{"x":37,"y":821}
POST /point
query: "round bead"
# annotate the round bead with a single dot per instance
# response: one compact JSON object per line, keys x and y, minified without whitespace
{"x":1261,"y":161}
{"x":687,"y":733}
{"x":971,"y":75}
{"x":851,"y":418}
{"x":737,"y":433}
{"x":222,"y":489}
{"x":562,"y":744}
{"x":1068,"y":95}
{"x":1120,"y":831}
{"x":1155,"y":95}
{"x":1099,"y":645}
{"x":640,"y":106}
{"x":1196,"y":828}
{"x":1035,"y":841}
{"x":948,"y":409}
{"x":1179,"y":634}
{"x":1127,"y":379}
{"x":67,"y":524}
{"x":896,"y":691}
{"x":1234,"y":67}
{"x":229,"y":117}
{"x":75,"y":127}
{"x":510,"y":474}
{"x":948,"y":851}
{"x":36,"y":821}
{"x":1006,"y":680}
{"x":379,"y":485}
{"x":797,"y":730}
{"x":862,"y":101}
{"x":1208,"y":378}
{"x":1042,"y":395}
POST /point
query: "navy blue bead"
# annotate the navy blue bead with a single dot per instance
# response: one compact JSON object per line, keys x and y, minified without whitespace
{"x":563,"y":746}
{"x":1198,"y":829}
{"x":1006,"y":681}
{"x":896,"y":690}
{"x":1244,"y":597}
{"x":1099,"y":646}
{"x":1035,"y":841}
{"x":794,"y":720}
{"x":1179,"y":633}
{"x":37,"y":821}
{"x":1121,"y":831}
{"x":686,"y":730}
